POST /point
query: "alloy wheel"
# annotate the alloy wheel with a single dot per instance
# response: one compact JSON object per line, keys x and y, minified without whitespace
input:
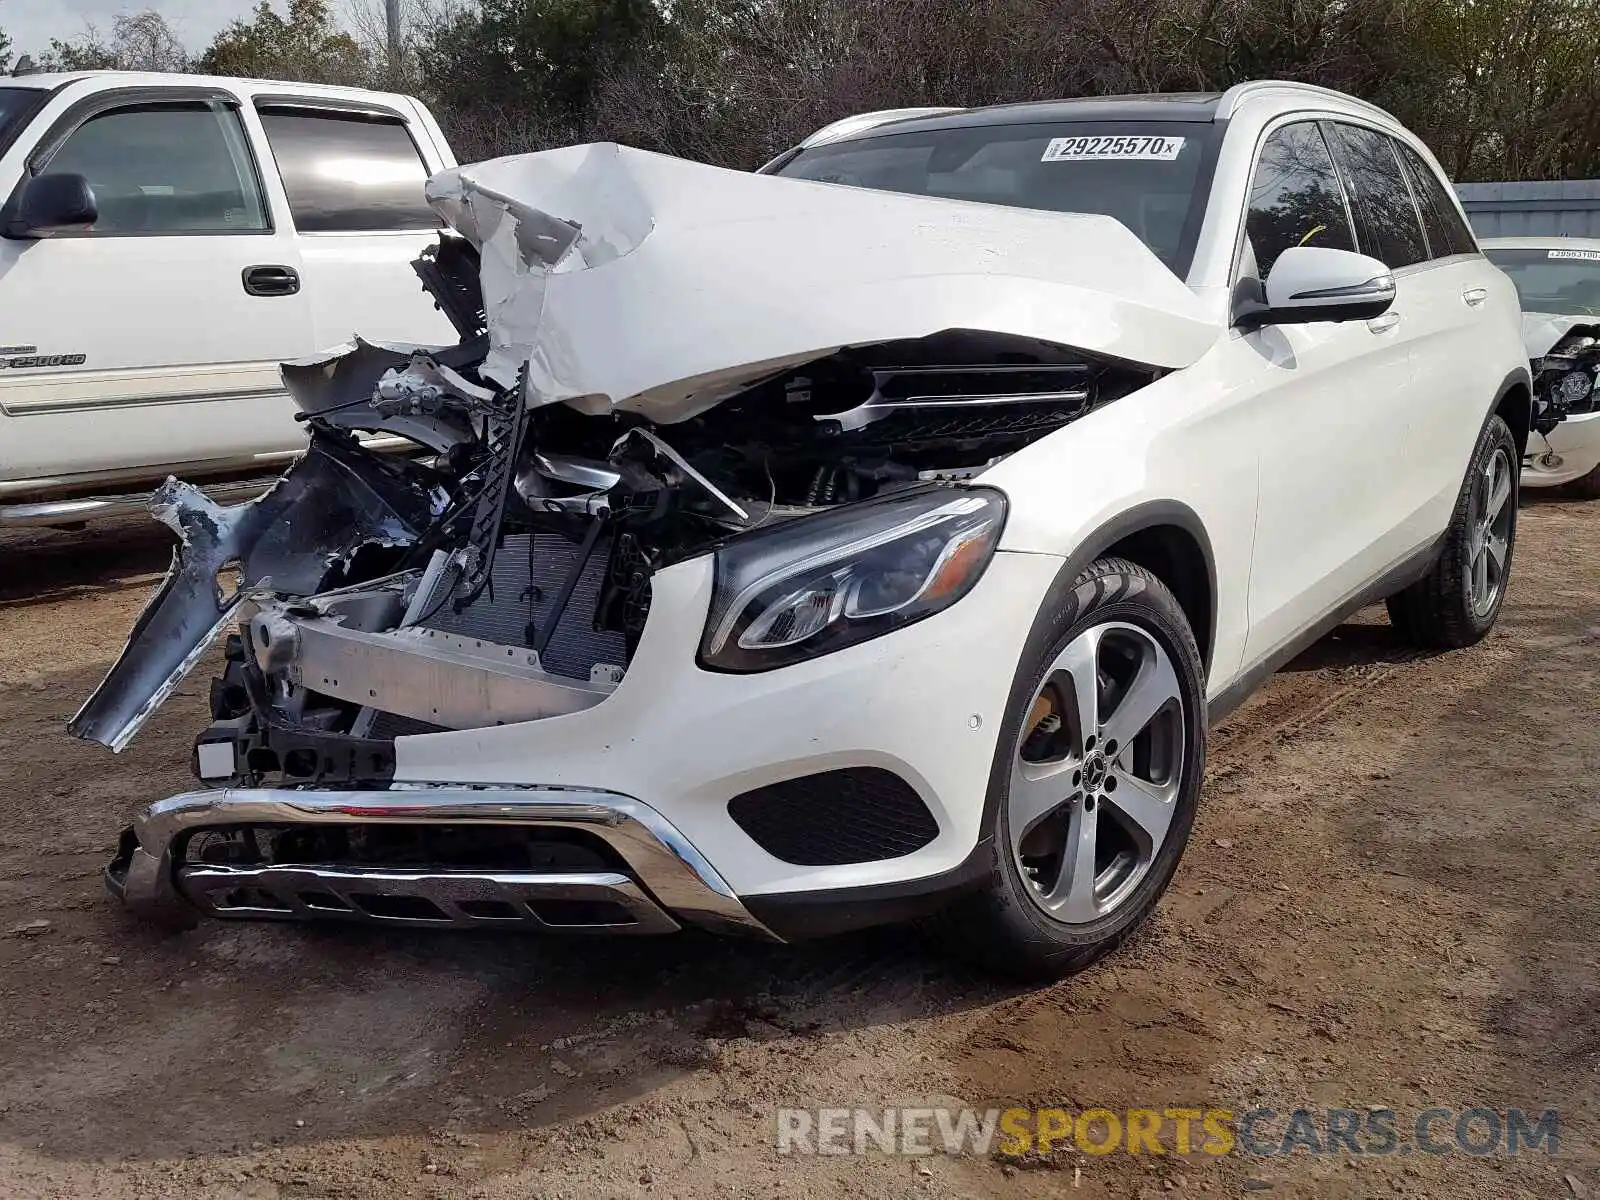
{"x":1097,"y":772}
{"x":1489,"y":533}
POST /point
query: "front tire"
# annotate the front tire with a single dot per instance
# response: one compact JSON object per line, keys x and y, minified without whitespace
{"x":1104,"y":751}
{"x":1458,"y":601}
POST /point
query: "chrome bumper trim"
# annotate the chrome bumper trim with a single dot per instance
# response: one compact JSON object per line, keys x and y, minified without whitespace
{"x":668,"y":868}
{"x":478,"y":900}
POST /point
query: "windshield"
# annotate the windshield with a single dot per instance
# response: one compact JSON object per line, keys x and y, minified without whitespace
{"x":1566,"y":282}
{"x":15,"y":106}
{"x":1146,"y":174}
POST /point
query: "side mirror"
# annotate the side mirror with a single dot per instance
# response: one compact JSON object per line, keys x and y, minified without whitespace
{"x":52,"y":204}
{"x":1314,"y":283}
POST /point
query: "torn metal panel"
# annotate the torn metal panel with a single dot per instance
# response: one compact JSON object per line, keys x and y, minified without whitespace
{"x":293,"y":540}
{"x":342,"y":388}
{"x":622,"y":279}
{"x":1542,"y":332}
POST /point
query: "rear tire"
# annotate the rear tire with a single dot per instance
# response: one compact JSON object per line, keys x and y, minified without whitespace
{"x":1096,"y":780}
{"x":1459,"y":600}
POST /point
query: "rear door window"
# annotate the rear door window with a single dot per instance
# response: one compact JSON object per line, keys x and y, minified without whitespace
{"x":1387,"y":222}
{"x":348,"y":172}
{"x":1295,"y":198}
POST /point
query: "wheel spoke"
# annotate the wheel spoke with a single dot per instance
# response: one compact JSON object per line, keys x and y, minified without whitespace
{"x":1147,"y":805}
{"x":1500,"y":490}
{"x":1081,"y":661}
{"x":1497,"y":550}
{"x":1070,"y":896}
{"x":1155,"y":686}
{"x":1480,"y":577}
{"x":1038,"y":789}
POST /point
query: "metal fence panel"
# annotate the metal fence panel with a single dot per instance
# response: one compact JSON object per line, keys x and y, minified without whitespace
{"x":1543,"y":207}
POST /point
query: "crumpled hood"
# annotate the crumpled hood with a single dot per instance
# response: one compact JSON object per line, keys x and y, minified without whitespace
{"x":1541,"y":331}
{"x":626,"y":279}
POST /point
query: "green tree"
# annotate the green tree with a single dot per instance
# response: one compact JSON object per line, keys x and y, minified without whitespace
{"x":305,"y":45}
{"x":141,"y":41}
{"x":506,"y":68}
{"x":5,"y":51}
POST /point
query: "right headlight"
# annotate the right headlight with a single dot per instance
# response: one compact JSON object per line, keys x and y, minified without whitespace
{"x":1574,"y":387}
{"x":821,"y":583}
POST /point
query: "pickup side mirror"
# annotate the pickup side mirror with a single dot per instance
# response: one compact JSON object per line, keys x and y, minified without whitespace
{"x":1314,"y":283}
{"x":52,"y":204}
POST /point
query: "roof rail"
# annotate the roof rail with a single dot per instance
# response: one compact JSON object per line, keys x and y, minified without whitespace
{"x":1240,"y":92}
{"x":863,"y":121}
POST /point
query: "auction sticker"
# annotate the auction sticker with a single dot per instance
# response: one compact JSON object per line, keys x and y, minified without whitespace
{"x":1585,"y":255}
{"x":1104,"y":148}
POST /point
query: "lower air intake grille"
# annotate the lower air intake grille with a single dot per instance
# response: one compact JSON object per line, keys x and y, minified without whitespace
{"x":862,"y":814}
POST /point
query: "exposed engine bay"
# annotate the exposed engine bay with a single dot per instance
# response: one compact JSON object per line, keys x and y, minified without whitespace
{"x":584,"y":435}
{"x":1565,"y":377}
{"x":510,"y":559}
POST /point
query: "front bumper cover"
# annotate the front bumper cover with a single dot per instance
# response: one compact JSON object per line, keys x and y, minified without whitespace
{"x":666,"y":881}
{"x":1570,"y":451}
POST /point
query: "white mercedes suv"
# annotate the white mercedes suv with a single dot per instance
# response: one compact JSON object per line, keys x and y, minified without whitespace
{"x":870,"y":537}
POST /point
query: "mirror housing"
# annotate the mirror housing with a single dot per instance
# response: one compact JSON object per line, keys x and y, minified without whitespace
{"x":1314,"y":283}
{"x":51,"y":204}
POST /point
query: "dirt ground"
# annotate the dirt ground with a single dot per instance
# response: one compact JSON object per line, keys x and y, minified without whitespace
{"x":1391,"y":900}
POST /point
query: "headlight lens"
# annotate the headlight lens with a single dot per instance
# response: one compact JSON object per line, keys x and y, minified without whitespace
{"x":1575,"y":387}
{"x":822,"y":583}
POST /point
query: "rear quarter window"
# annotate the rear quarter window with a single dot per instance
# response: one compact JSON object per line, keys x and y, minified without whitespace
{"x":348,"y":172}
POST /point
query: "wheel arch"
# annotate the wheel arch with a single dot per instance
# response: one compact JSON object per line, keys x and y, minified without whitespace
{"x":1168,"y":539}
{"x":1513,"y":403}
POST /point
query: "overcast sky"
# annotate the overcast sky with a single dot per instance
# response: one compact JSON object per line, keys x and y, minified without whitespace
{"x":32,"y":23}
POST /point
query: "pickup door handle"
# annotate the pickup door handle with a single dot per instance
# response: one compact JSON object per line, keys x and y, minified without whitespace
{"x":1475,"y":296}
{"x":1384,"y":323}
{"x":271,"y":281}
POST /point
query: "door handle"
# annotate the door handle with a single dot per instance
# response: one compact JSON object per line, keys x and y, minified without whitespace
{"x":271,"y":281}
{"x":1475,"y":296}
{"x":1384,"y":323}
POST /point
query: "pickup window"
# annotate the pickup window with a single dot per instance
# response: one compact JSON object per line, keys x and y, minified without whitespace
{"x":348,"y":172}
{"x":178,"y":168}
{"x":15,"y":106}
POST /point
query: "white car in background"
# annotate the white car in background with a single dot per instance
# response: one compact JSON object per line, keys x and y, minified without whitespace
{"x":870,"y":537}
{"x":1558,"y":283}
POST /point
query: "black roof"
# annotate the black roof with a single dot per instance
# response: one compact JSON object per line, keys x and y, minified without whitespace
{"x":1168,"y":106}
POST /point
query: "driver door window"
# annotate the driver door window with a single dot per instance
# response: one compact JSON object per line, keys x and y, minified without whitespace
{"x":1295,"y":198}
{"x":169,"y":168}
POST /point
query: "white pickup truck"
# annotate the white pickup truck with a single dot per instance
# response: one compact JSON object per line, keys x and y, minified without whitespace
{"x":165,"y":242}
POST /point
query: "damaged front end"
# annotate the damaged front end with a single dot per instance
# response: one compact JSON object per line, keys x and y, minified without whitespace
{"x":503,"y":572}
{"x":1565,"y":356}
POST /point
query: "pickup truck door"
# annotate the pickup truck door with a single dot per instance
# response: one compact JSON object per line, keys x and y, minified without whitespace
{"x":353,"y":173}
{"x":153,"y":339}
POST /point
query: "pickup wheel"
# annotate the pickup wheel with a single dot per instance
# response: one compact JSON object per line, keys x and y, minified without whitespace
{"x":1095,"y":784}
{"x":1459,"y":600}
